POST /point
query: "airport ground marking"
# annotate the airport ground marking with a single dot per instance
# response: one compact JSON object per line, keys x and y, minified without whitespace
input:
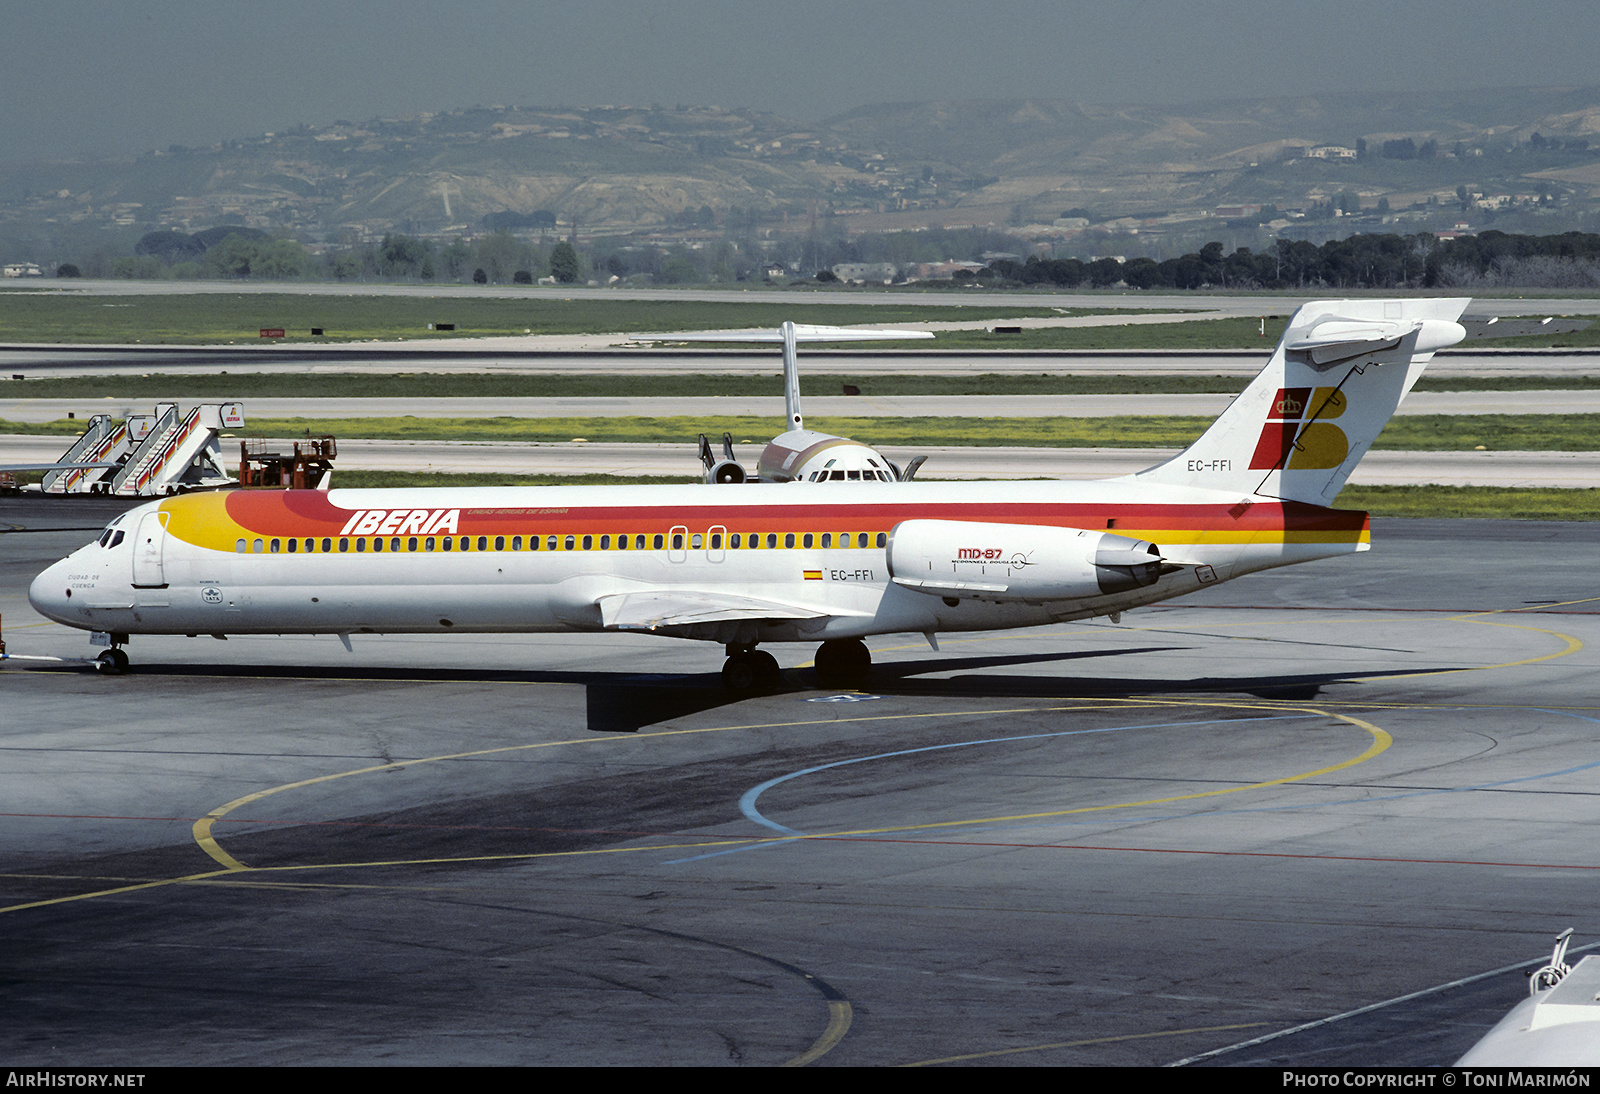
{"x":1381,"y":741}
{"x":160,"y":883}
{"x":202,"y":828}
{"x":1081,"y":1044}
{"x":1437,"y":988}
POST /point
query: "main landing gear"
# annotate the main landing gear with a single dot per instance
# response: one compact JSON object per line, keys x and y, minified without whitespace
{"x":749,"y":669}
{"x":843,"y":662}
{"x":840,"y":663}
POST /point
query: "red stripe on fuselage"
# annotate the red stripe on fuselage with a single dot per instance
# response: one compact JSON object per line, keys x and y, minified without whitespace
{"x":309,"y":513}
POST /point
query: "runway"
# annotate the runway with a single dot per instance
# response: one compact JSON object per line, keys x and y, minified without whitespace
{"x":1297,"y":794}
{"x":1581,"y":401}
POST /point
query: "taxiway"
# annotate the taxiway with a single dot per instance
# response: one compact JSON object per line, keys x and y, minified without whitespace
{"x":1294,"y":795}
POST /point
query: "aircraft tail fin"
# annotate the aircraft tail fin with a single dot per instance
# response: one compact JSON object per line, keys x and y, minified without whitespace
{"x":1334,"y":381}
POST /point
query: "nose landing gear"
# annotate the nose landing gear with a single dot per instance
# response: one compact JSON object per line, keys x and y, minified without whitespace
{"x":112,"y":662}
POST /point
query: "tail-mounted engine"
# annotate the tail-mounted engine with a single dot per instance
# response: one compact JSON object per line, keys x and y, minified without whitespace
{"x":1019,"y":561}
{"x":726,"y":470}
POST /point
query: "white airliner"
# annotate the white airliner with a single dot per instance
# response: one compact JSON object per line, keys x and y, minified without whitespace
{"x":778,"y":562}
{"x":800,"y":453}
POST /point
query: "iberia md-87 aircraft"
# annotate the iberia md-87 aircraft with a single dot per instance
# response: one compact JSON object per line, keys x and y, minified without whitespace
{"x":799,"y":561}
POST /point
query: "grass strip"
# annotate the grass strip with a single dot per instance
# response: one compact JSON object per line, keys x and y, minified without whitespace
{"x":1478,"y":502}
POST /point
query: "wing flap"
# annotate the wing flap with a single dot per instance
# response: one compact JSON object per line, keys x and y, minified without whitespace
{"x":656,"y":609}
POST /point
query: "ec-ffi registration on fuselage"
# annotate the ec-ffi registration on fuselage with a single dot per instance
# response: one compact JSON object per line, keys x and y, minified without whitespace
{"x":804,"y":560}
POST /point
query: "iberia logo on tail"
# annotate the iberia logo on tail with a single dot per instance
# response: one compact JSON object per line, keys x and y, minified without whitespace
{"x":1298,"y":433}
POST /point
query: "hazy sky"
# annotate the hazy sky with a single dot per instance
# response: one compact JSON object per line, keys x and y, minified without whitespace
{"x":110,"y":77}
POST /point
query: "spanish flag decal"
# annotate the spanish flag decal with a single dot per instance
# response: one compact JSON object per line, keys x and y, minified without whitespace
{"x":813,"y":575}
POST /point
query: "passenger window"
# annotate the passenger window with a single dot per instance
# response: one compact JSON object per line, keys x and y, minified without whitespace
{"x":733,"y":541}
{"x":638,"y":543}
{"x":772,"y":540}
{"x":809,"y":540}
{"x":377,"y":543}
{"x":588,"y":543}
{"x":411,"y":543}
{"x":622,"y":543}
{"x":788,"y":539}
{"x":446,"y":543}
{"x":861,"y":540}
{"x":327,"y":545}
{"x":694,"y":541}
{"x":257,"y":546}
{"x":394,"y":544}
{"x":551,"y":543}
{"x":677,"y":541}
{"x":427,"y":544}
{"x":883,"y":539}
{"x":516,"y":543}
{"x":657,"y":541}
{"x":571,"y":542}
{"x":239,"y":546}
{"x":827,"y":539}
{"x":293,"y":545}
{"x":361,"y":546}
{"x":344,"y":545}
{"x":499,"y":543}
{"x":605,"y":542}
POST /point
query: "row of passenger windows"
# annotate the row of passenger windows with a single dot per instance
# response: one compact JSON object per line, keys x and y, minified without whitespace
{"x":679,"y":540}
{"x":849,"y":476}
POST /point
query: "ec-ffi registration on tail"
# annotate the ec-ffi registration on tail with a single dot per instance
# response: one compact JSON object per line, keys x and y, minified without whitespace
{"x":810,"y":560}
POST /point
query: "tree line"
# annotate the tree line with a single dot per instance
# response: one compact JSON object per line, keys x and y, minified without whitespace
{"x":1385,"y":261}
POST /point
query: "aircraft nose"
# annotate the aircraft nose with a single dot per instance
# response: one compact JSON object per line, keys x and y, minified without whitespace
{"x":48,"y":594}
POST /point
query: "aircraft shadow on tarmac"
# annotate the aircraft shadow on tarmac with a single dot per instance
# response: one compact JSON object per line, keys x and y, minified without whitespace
{"x":619,"y":702}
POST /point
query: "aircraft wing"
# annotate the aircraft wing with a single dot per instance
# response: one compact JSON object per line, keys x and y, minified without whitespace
{"x":658,"y":609}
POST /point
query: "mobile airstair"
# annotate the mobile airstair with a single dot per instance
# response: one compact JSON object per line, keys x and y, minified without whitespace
{"x":181,"y":451}
{"x":104,"y":441}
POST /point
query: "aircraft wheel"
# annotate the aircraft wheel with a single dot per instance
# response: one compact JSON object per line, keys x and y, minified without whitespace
{"x":843,"y":662}
{"x":768,"y":674}
{"x":112,"y":662}
{"x":750,"y":670}
{"x":740,"y":673}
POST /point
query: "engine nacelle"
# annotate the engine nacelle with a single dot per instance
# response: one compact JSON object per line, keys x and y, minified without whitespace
{"x":726,"y":471}
{"x":1019,"y":561}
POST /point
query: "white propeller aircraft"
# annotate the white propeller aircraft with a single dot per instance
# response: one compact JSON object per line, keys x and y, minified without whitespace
{"x":778,"y":562}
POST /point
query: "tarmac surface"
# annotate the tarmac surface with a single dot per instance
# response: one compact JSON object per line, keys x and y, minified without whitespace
{"x":1582,"y":401}
{"x":1292,"y":796}
{"x":529,"y":356}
